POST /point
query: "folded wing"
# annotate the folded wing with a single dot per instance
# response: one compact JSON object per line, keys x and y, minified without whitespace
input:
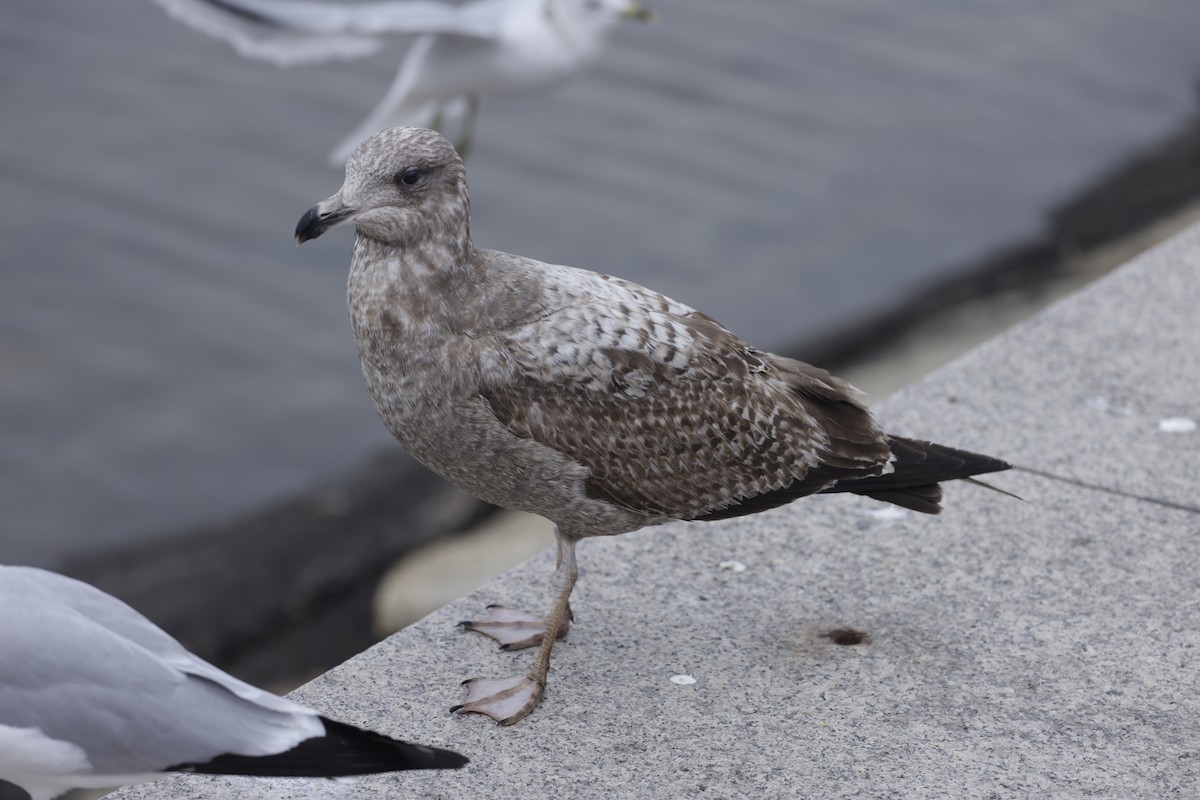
{"x":675,"y":416}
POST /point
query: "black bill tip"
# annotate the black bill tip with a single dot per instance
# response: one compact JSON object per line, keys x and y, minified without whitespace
{"x":315,"y":222}
{"x":309,"y":226}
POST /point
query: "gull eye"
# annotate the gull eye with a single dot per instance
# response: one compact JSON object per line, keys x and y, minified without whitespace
{"x":409,"y":176}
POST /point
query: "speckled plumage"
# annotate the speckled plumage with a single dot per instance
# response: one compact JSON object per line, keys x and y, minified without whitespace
{"x":588,"y":399}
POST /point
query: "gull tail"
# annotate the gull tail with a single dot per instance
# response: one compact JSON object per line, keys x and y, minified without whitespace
{"x":917,"y":471}
{"x":344,"y":750}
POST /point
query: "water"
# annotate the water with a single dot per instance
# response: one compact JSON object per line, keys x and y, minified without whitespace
{"x":170,"y":358}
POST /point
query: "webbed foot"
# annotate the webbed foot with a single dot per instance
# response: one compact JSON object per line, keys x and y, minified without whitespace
{"x":506,"y":700}
{"x":513,"y":629}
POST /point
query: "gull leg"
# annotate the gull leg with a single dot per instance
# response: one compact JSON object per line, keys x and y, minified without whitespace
{"x":517,"y":630}
{"x":466,"y":136}
{"x":510,"y":700}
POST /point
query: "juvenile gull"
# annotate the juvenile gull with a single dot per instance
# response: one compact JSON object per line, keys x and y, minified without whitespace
{"x":460,"y":53}
{"x":93,"y":694}
{"x":588,"y":399}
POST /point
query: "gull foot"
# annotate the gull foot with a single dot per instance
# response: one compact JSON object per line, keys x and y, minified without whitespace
{"x":513,"y":629}
{"x":506,"y":700}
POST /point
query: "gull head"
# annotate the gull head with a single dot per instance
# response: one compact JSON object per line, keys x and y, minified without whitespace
{"x":631,"y":9}
{"x":607,"y":10}
{"x":585,"y":22}
{"x":403,"y":186}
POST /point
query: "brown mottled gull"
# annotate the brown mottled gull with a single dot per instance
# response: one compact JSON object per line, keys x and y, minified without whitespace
{"x":588,"y":399}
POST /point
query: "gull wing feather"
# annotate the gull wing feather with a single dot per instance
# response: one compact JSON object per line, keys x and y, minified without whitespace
{"x":133,"y":686}
{"x":480,"y":19}
{"x":251,"y":38}
{"x":120,"y":620}
{"x":673,"y":415}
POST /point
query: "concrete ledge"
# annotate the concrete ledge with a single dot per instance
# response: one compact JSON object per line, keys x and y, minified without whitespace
{"x":1046,"y":648}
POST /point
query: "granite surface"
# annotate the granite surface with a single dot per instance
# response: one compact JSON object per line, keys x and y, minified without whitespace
{"x":1038,"y":648}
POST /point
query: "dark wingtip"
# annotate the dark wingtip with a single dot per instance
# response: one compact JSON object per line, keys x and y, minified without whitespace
{"x":918,"y":468}
{"x":381,"y":753}
{"x":922,"y":499}
{"x":244,"y":13}
{"x":450,"y":759}
{"x":344,"y":750}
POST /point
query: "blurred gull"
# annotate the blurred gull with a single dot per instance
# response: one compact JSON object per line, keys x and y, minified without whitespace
{"x":93,"y":694}
{"x":460,"y":52}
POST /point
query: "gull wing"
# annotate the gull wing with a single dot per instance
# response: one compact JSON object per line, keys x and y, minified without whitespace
{"x":252,"y":38}
{"x":94,"y":694}
{"x":120,"y":620}
{"x":81,"y":667}
{"x":675,"y":416}
{"x":480,"y":19}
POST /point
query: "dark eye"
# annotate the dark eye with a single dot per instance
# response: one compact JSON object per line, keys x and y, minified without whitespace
{"x":409,"y":176}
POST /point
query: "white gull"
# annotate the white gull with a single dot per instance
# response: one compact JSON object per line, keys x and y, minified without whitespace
{"x":93,"y":695}
{"x":460,"y":52}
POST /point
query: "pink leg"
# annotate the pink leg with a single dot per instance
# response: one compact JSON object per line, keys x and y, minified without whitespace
{"x":514,"y":629}
{"x":509,"y":700}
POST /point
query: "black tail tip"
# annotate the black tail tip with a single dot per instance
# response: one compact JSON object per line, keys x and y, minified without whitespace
{"x":446,"y":759}
{"x":344,"y":751}
{"x":385,"y":754}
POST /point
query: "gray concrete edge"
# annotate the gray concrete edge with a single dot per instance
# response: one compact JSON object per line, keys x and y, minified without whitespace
{"x":1043,"y":647}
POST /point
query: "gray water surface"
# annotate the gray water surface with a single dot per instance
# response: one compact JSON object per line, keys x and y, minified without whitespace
{"x":170,"y":358}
